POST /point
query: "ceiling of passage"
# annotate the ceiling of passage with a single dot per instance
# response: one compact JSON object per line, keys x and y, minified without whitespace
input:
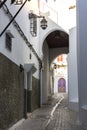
{"x":57,"y":39}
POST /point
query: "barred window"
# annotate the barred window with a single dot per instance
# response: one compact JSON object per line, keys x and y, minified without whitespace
{"x":33,"y":27}
{"x":9,"y":37}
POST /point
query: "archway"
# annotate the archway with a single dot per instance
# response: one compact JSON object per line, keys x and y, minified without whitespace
{"x":56,"y":43}
{"x":59,"y":66}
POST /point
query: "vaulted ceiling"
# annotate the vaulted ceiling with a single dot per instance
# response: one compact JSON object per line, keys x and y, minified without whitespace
{"x":57,"y":39}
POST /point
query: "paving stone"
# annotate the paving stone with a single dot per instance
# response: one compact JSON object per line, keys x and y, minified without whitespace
{"x":64,"y":119}
{"x":61,"y":119}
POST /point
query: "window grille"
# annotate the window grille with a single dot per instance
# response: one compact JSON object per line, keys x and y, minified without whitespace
{"x":33,"y":27}
{"x":9,"y":37}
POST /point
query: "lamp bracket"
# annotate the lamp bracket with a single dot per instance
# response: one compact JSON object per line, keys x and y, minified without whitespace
{"x":31,"y":15}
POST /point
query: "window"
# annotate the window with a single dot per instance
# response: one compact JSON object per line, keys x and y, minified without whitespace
{"x":9,"y":37}
{"x":33,"y":26}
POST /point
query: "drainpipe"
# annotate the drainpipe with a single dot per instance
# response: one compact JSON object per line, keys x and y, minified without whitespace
{"x":25,"y":94}
{"x":41,"y":87}
{"x":40,"y":76}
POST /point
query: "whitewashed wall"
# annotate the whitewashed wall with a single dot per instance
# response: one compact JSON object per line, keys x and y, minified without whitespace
{"x":60,"y":12}
{"x":72,"y":70}
{"x":20,"y":51}
{"x":24,"y":22}
{"x":82,"y":58}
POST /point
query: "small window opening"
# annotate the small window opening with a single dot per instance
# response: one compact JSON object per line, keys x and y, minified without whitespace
{"x":9,"y":37}
{"x":33,"y":27}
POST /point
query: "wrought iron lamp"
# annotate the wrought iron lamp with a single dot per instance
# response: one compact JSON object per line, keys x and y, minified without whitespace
{"x":33,"y":23}
{"x":43,"y":21}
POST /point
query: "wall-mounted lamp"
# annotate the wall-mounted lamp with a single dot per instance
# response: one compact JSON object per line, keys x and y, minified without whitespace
{"x":43,"y":21}
{"x":33,"y":23}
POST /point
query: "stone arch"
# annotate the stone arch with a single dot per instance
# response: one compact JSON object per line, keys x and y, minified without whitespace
{"x":51,"y":28}
{"x":47,"y":59}
{"x":48,"y":33}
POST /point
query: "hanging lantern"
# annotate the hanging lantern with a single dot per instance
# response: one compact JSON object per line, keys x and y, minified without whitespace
{"x":43,"y":23}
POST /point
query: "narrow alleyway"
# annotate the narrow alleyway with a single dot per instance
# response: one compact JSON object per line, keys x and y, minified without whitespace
{"x":52,"y":116}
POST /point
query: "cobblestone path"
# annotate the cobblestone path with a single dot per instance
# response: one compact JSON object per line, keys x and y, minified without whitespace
{"x":64,"y":119}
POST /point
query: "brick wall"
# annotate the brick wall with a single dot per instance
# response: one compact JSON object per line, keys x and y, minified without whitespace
{"x":11,"y":93}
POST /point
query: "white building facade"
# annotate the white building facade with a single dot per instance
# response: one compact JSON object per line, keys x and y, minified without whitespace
{"x":25,"y":75}
{"x":20,"y":64}
{"x":22,"y":72}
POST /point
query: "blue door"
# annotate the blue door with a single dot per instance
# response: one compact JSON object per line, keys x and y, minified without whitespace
{"x":61,"y":85}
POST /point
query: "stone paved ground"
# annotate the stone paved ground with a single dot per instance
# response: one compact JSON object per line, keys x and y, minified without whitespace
{"x":64,"y":119}
{"x":53,"y":116}
{"x":39,"y":118}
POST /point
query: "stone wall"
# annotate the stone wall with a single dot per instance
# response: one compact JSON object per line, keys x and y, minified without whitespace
{"x":11,"y":93}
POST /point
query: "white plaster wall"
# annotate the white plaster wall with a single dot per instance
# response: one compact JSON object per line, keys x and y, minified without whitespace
{"x":56,"y":84}
{"x":60,"y":12}
{"x":82,"y":58}
{"x":72,"y":69}
{"x":20,"y":51}
{"x":23,"y":20}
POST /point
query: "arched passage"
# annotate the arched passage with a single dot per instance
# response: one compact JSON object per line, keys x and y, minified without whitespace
{"x":56,"y":42}
{"x":59,"y":75}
